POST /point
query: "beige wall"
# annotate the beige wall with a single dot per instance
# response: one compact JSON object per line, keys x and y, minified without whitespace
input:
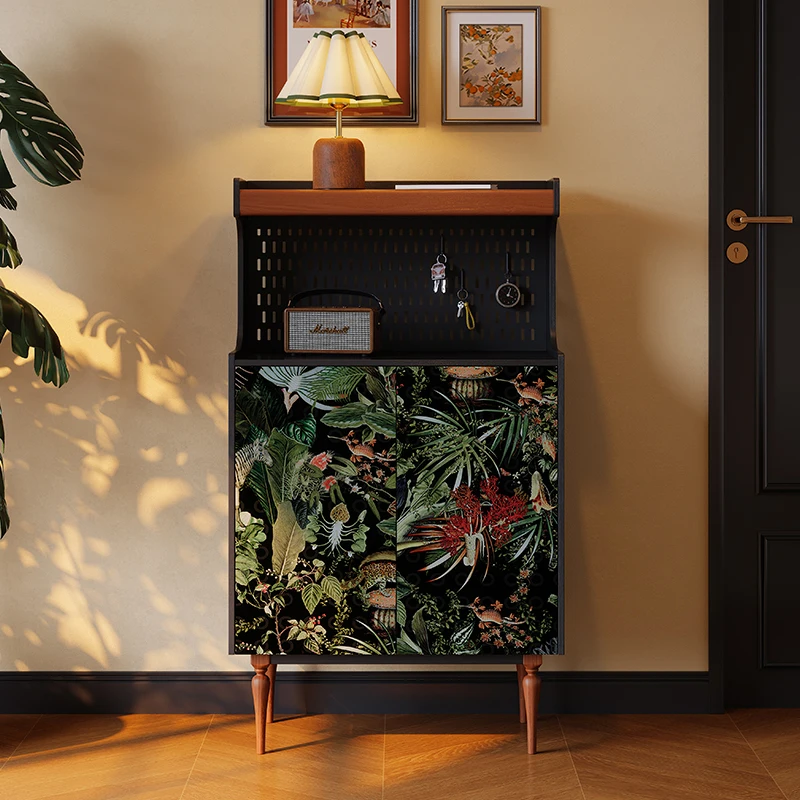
{"x":117,"y":555}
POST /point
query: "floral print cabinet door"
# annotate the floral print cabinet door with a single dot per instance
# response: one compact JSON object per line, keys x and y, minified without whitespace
{"x":314,"y":482}
{"x":477,"y":528}
{"x":396,"y":510}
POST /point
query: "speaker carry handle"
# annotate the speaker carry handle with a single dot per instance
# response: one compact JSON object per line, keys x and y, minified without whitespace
{"x":320,"y":292}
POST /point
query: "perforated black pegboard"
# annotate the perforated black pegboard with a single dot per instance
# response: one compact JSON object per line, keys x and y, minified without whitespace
{"x":391,"y":258}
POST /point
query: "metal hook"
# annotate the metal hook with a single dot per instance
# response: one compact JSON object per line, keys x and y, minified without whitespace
{"x":462,"y":294}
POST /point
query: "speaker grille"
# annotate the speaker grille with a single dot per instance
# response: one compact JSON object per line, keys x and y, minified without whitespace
{"x":313,"y":331}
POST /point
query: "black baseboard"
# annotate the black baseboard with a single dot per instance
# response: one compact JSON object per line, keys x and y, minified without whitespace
{"x":351,"y":692}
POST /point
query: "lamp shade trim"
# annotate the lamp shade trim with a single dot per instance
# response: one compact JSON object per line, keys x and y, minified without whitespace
{"x":340,"y":67}
{"x":346,"y":34}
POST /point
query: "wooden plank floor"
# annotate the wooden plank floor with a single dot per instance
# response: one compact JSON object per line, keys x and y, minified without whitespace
{"x":746,"y":755}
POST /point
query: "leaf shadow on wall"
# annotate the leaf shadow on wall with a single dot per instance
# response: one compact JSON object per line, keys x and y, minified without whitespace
{"x":630,"y":321}
{"x":117,"y":556}
{"x":119,"y":500}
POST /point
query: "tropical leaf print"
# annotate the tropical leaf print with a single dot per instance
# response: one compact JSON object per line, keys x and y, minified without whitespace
{"x":303,"y":431}
{"x":288,"y":540}
{"x":324,"y":502}
{"x":477,"y":524}
{"x":315,"y":385}
{"x":384,"y":510}
{"x":287,"y":457}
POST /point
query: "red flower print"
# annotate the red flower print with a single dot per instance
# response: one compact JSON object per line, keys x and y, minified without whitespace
{"x":502,"y":512}
{"x":480,"y":524}
{"x":328,"y":482}
{"x":321,"y":460}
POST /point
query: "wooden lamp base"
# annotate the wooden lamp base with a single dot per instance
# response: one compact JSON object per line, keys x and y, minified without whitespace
{"x":338,"y":164}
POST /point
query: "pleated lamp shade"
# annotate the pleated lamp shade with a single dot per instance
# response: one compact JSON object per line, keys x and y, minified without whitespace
{"x":339,"y":68}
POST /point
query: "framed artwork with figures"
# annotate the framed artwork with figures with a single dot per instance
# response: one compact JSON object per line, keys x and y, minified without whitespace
{"x":491,"y":65}
{"x":389,"y":25}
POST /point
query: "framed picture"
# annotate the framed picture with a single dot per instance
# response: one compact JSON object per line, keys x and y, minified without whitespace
{"x":390,"y":26}
{"x":491,"y":65}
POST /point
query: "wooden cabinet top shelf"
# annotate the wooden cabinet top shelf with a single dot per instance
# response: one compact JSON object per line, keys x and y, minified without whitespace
{"x":260,"y":201}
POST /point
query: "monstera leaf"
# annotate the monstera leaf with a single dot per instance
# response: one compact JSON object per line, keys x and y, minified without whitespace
{"x":7,"y":200}
{"x":29,"y":329}
{"x":48,"y":150}
{"x":9,"y":252}
{"x":42,"y":142}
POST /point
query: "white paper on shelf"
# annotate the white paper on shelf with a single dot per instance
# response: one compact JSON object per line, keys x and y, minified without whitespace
{"x":445,"y":186}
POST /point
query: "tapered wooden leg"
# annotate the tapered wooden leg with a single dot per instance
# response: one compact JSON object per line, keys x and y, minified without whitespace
{"x":520,"y":676}
{"x":271,"y":697}
{"x":531,"y":683}
{"x":261,"y":693}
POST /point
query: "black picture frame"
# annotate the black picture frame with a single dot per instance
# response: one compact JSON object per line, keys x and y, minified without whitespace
{"x":451,"y":62}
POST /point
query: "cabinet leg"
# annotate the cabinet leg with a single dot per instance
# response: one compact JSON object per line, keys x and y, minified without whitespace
{"x":531,"y":683}
{"x":271,"y":699}
{"x":262,"y":692}
{"x":520,"y":676}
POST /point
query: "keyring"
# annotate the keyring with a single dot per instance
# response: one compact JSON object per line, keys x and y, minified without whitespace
{"x":439,"y":274}
{"x":463,"y":306}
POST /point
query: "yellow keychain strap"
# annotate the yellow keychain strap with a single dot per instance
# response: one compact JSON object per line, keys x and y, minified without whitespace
{"x":469,"y":317}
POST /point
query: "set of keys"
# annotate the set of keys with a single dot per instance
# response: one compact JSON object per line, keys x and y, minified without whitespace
{"x":439,"y":278}
{"x":464,"y":309}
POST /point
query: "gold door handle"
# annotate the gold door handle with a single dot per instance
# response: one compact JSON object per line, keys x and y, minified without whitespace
{"x":738,"y":220}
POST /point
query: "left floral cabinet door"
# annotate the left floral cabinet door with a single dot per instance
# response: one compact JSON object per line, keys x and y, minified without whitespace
{"x":314,"y":511}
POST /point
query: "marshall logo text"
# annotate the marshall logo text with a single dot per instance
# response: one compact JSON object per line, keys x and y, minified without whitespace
{"x":325,"y":329}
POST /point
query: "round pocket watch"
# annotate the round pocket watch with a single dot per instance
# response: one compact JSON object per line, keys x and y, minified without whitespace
{"x":508,"y":294}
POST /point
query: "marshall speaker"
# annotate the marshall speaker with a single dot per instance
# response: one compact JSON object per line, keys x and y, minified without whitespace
{"x":322,"y":329}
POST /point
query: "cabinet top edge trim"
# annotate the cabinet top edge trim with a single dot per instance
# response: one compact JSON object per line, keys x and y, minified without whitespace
{"x":552,"y":183}
{"x":391,"y":202}
{"x":245,"y":358}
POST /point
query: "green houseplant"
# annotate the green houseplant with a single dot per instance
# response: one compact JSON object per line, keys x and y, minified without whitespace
{"x":48,"y":150}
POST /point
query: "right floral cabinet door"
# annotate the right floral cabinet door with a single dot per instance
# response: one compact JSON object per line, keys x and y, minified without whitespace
{"x":477,"y":510}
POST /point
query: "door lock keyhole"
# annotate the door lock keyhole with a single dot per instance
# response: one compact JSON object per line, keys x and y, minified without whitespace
{"x":737,"y":252}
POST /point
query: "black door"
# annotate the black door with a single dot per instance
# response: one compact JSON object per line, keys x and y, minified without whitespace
{"x":755,"y":351}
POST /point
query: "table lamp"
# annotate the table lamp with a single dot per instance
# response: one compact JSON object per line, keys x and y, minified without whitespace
{"x":338,"y":69}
